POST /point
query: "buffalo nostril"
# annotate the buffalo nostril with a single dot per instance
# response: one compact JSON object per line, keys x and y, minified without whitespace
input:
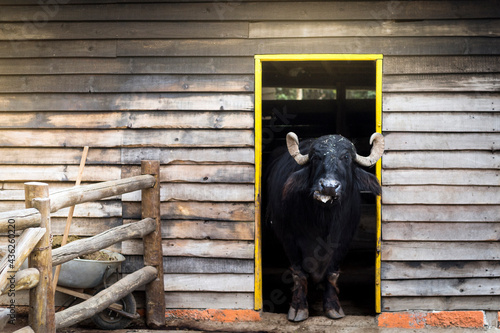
{"x":329,"y":185}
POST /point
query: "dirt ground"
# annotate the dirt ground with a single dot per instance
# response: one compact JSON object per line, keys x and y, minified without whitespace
{"x":270,"y":323}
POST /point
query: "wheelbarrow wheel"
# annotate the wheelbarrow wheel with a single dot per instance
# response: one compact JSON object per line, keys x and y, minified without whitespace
{"x":110,"y":320}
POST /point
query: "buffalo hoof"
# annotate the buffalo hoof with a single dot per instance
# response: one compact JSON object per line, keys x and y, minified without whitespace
{"x":334,"y":314}
{"x":297,"y":315}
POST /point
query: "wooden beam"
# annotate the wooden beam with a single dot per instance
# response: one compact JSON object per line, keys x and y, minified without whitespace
{"x":153,"y":255}
{"x":41,"y":314}
{"x":27,"y":278}
{"x":19,"y":219}
{"x":103,"y":240}
{"x":77,"y":195}
{"x":14,"y":259}
{"x":105,"y":298}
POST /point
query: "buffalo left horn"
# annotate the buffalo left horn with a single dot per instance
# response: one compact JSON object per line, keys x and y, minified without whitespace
{"x":292,"y":142}
{"x":376,"y":152}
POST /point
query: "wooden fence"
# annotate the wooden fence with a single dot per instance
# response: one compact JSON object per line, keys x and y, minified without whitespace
{"x":35,"y":243}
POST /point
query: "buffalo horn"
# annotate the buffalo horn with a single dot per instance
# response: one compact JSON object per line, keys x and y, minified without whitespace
{"x":292,"y":142}
{"x":376,"y":152}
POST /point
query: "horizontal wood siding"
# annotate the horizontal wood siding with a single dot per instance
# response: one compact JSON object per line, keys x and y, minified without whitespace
{"x":174,"y":81}
{"x":440,"y":182}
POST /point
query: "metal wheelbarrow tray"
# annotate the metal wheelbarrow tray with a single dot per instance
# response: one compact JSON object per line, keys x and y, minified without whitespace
{"x":86,"y":274}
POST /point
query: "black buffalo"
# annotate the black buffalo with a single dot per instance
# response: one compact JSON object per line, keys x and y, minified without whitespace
{"x":313,"y":206}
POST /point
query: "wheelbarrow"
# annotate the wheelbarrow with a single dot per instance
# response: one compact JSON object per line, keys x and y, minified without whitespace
{"x":79,"y":274}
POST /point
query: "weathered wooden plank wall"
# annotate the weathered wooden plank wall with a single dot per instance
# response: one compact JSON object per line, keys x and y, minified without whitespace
{"x":174,"y":82}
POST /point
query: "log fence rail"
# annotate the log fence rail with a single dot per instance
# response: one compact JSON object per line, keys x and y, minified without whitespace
{"x":35,"y":243}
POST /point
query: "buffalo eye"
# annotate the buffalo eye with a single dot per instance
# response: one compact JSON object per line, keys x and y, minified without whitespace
{"x":346,"y":157}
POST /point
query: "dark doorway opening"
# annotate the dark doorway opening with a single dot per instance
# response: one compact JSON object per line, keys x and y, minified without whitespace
{"x":315,"y":98}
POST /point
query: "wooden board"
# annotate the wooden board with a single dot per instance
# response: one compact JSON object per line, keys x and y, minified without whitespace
{"x":206,"y":173}
{"x":89,"y":209}
{"x":112,"y":156}
{"x":436,"y":251}
{"x":440,"y":160}
{"x":440,"y":213}
{"x":32,"y":156}
{"x":450,"y":303}
{"x":61,"y":173}
{"x":208,"y":300}
{"x":442,"y":141}
{"x":208,"y":230}
{"x":440,"y":177}
{"x":136,"y":65}
{"x":115,"y":120}
{"x":129,"y":138}
{"x":439,"y":65}
{"x":126,"y":83}
{"x":194,"y":265}
{"x":253,"y":10}
{"x":50,"y":49}
{"x":441,"y":82}
{"x":123,"y":30}
{"x":374,"y":28}
{"x":84,"y":226}
{"x":122,"y":102}
{"x":190,"y":156}
{"x":195,"y":229}
{"x":439,"y":195}
{"x":248,"y":47}
{"x":437,"y":101}
{"x":219,"y":211}
{"x":201,"y":192}
{"x":197,"y":248}
{"x":209,"y":282}
{"x":440,"y":122}
{"x":443,"y":269}
{"x":441,"y":231}
{"x":441,"y":287}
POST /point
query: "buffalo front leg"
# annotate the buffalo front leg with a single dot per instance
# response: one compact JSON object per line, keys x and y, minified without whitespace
{"x":299,"y":309}
{"x":331,"y":303}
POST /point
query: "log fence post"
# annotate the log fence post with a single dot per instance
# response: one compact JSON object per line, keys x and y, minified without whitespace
{"x":41,"y":298}
{"x":153,"y":254}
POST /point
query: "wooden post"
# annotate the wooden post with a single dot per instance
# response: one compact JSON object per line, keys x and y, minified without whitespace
{"x":153,"y":254}
{"x":41,"y":311}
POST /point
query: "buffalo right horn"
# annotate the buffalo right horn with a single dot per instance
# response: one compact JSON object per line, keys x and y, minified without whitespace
{"x":292,"y":142}
{"x":376,"y":152}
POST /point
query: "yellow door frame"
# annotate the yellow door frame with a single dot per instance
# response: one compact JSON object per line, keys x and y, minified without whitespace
{"x":258,"y":301}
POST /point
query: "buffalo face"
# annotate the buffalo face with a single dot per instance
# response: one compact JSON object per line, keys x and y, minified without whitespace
{"x":331,"y":167}
{"x":331,"y":164}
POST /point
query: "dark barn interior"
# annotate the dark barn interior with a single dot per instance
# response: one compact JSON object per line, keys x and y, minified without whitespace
{"x":314,"y":98}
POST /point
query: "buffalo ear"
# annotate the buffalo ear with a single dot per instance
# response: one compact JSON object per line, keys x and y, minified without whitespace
{"x":367,"y":182}
{"x":296,"y":182}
